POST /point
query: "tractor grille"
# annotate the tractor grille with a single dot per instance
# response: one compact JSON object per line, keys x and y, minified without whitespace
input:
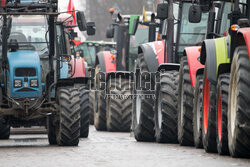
{"x":26,"y":90}
{"x":25,"y":72}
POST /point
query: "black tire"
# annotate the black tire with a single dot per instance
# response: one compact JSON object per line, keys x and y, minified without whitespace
{"x":84,"y":109}
{"x":4,"y":130}
{"x":221,"y":113}
{"x":91,"y":106}
{"x":68,"y":129}
{"x":209,"y":114}
{"x":239,"y":105}
{"x":185,"y":105}
{"x":166,"y":105}
{"x":197,"y":112}
{"x":143,"y":107}
{"x":100,"y":104}
{"x":51,"y":130}
{"x":119,"y":106}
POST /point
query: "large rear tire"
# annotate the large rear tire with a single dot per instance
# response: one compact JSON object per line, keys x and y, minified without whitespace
{"x":68,"y":129}
{"x":221,"y":114}
{"x":100,"y":103}
{"x":4,"y":130}
{"x":197,"y":112}
{"x":119,"y":105}
{"x":91,"y":106}
{"x":209,"y":115}
{"x":239,"y":105}
{"x":84,"y":109}
{"x":185,"y":106}
{"x":166,"y":108}
{"x":143,"y":110}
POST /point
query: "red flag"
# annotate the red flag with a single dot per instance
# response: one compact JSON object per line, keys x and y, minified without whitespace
{"x":71,"y":7}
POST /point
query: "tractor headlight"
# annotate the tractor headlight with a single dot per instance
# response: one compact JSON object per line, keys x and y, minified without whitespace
{"x":34,"y":83}
{"x":17,"y":83}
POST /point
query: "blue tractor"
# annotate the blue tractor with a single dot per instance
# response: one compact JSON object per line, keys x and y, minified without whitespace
{"x":33,"y":90}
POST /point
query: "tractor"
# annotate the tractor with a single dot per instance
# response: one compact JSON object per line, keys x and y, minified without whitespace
{"x":33,"y":90}
{"x":191,"y":73}
{"x":156,"y":84}
{"x":224,"y":100}
{"x":113,"y":77}
{"x":88,"y":51}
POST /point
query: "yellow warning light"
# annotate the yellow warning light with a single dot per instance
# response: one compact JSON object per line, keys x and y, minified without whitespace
{"x":235,"y":27}
{"x":111,"y":10}
{"x":67,"y":58}
{"x":199,"y":49}
{"x":159,"y":37}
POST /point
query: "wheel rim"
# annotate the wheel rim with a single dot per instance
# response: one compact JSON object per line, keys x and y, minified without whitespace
{"x":206,"y":104}
{"x":219,"y":116}
{"x":138,"y":107}
{"x":182,"y":105}
{"x":233,"y":104}
{"x":198,"y":115}
{"x":159,"y":111}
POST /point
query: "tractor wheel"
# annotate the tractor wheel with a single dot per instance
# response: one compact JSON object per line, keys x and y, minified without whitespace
{"x":119,"y":105}
{"x":68,"y":129}
{"x":166,"y":108}
{"x":221,"y":114}
{"x":100,"y":103}
{"x":239,"y":105}
{"x":84,"y":109}
{"x":209,"y":115}
{"x":91,"y":106}
{"x":143,"y":110}
{"x":51,"y":130}
{"x":4,"y":127}
{"x":185,"y":106}
{"x":197,"y":112}
{"x":4,"y":130}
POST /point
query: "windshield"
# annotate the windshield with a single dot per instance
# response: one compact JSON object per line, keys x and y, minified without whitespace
{"x":89,"y":54}
{"x":225,"y":22}
{"x":191,"y":33}
{"x":30,"y":32}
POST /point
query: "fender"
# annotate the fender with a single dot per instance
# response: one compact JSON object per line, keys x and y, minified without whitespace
{"x":62,"y":82}
{"x":106,"y":61}
{"x":245,"y":33}
{"x":193,"y":54}
{"x":153,"y":53}
{"x":78,"y":67}
{"x":213,"y":53}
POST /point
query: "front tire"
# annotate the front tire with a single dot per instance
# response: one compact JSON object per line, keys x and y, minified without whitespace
{"x":4,"y":130}
{"x":185,"y":106}
{"x":209,"y":112}
{"x":221,"y":114}
{"x":68,"y":130}
{"x":239,"y":105}
{"x":166,"y":108}
{"x":84,"y":109}
{"x":197,"y":112}
{"x":119,"y":107}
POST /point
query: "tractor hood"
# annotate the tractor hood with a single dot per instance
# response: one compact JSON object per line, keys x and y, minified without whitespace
{"x":24,"y":67}
{"x":23,"y":58}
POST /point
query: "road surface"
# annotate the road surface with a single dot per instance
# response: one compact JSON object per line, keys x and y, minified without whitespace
{"x":106,"y":149}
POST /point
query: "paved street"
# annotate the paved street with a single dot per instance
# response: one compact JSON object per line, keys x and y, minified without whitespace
{"x":106,"y":149}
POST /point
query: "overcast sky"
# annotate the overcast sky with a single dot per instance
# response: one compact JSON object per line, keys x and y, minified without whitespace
{"x":63,"y":4}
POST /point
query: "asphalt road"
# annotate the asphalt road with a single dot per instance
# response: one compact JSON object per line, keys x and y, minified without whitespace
{"x":106,"y":149}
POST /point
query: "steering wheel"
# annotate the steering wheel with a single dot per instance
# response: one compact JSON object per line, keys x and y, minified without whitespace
{"x":20,"y":37}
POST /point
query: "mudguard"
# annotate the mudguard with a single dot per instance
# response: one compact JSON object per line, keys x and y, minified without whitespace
{"x":194,"y":64}
{"x":168,"y":67}
{"x":153,"y":53}
{"x":106,"y":61}
{"x":78,"y":67}
{"x":213,"y":53}
{"x":245,"y":33}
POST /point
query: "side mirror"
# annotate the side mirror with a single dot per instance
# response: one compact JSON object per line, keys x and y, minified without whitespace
{"x":194,"y":15}
{"x":162,"y":11}
{"x":91,"y":28}
{"x":110,"y":32}
{"x":81,"y":21}
{"x":133,"y":24}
